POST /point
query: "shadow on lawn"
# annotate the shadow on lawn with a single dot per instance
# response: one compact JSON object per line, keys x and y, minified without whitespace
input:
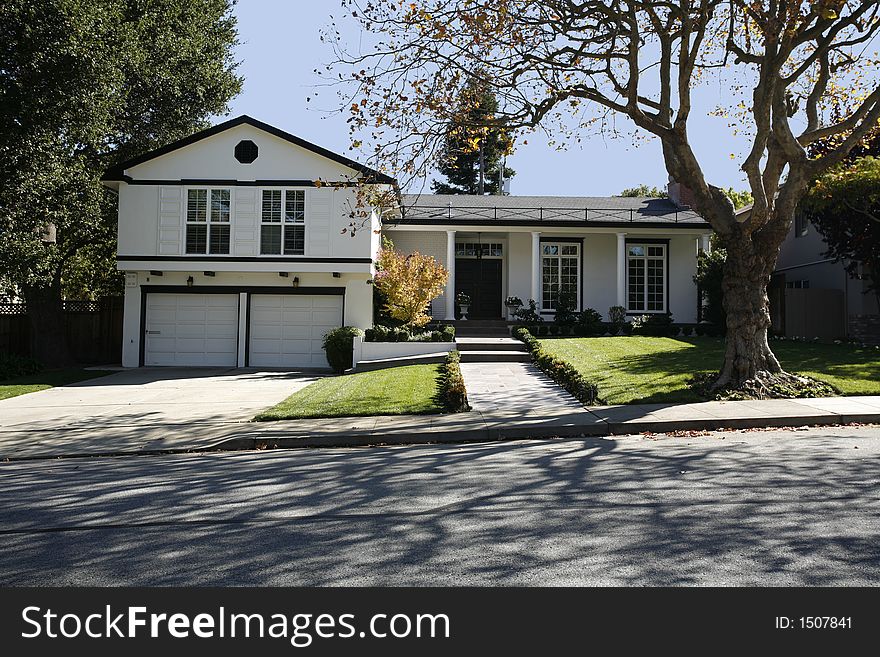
{"x":578,"y":512}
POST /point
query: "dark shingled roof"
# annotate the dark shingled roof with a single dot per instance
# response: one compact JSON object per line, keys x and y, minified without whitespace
{"x":552,"y":210}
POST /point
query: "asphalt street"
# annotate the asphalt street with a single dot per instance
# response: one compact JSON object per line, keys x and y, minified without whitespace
{"x":739,"y":508}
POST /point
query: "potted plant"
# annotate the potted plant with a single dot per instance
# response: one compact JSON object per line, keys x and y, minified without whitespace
{"x":513,"y":304}
{"x":464,"y":302}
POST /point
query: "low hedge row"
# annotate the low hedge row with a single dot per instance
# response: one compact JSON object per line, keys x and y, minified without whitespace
{"x":453,"y":395}
{"x":402,"y":334}
{"x":559,"y":370}
{"x":12,"y":366}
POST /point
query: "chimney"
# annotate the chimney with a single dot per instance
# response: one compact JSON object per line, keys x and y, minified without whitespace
{"x":680,"y":194}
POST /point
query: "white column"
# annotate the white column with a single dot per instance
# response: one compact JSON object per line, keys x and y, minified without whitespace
{"x":450,"y":283}
{"x":704,"y":243}
{"x":536,"y":268}
{"x":621,"y":269}
{"x":242,"y":326}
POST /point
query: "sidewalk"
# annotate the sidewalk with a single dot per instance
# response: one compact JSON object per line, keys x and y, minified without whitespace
{"x":476,"y":425}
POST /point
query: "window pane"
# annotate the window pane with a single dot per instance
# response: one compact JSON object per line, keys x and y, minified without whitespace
{"x":272,"y":206}
{"x":219,"y":238}
{"x":196,"y":204}
{"x":656,"y":285}
{"x":636,"y":286}
{"x":569,"y":249}
{"x":270,"y":240}
{"x":295,"y":206}
{"x":569,"y":276}
{"x":220,"y":205}
{"x":637,"y":250}
{"x":655,"y":251}
{"x":294,"y":240}
{"x":550,"y":283}
{"x":196,"y":238}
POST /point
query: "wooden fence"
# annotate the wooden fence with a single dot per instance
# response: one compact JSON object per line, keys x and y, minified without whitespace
{"x":94,"y":330}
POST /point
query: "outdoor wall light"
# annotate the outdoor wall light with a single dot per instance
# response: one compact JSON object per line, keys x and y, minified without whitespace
{"x":155,"y":273}
{"x":336,"y":274}
{"x":209,"y":273}
{"x":189,"y":281}
{"x":283,"y":274}
{"x":296,"y":281}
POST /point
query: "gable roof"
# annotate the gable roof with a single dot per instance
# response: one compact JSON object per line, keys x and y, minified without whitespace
{"x":117,"y":172}
{"x":553,"y":210}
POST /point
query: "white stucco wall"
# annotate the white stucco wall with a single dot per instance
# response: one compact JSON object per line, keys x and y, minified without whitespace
{"x":600,"y":272}
{"x":682,"y":289}
{"x":519,"y":268}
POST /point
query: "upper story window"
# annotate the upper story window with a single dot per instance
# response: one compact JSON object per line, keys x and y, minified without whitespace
{"x":207,"y":221}
{"x":646,"y":277}
{"x":283,"y":217}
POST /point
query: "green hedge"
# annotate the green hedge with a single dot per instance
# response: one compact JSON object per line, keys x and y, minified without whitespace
{"x":559,"y":370}
{"x":453,"y":394}
{"x":403,"y":334}
{"x":12,"y":366}
{"x":339,"y":345}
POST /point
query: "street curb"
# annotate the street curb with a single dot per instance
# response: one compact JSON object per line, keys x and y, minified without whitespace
{"x":284,"y":440}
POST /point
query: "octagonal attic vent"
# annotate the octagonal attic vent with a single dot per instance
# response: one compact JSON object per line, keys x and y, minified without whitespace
{"x":246,"y":151}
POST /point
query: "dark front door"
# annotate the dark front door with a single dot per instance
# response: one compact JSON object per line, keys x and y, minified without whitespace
{"x":480,"y":279}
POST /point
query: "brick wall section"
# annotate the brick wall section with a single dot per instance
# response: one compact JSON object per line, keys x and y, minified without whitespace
{"x":432,"y":243}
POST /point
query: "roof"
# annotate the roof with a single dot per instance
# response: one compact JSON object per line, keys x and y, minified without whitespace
{"x":546,"y":210}
{"x":118,"y":172}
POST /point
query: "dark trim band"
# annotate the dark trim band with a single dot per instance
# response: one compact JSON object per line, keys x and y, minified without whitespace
{"x":502,"y":223}
{"x":204,"y":259}
{"x":213,"y":182}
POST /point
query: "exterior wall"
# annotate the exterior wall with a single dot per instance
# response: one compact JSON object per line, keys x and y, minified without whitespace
{"x":357,"y":306}
{"x":432,"y":243}
{"x":518,"y":263}
{"x":600,"y":272}
{"x":682,"y":289}
{"x":379,"y":350}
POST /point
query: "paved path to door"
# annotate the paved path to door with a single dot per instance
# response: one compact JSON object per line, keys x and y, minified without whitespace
{"x":146,"y":408}
{"x":514,"y":387}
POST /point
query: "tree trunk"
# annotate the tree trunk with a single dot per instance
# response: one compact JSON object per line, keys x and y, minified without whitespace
{"x":748,"y":359}
{"x":48,"y":325}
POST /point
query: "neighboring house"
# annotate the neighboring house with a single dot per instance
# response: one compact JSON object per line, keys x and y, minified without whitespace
{"x":638,"y":253}
{"x":813,"y":296}
{"x":235,"y":256}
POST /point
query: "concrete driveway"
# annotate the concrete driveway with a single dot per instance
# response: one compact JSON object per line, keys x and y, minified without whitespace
{"x":147,"y":408}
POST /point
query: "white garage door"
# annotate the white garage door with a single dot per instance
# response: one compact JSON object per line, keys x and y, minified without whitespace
{"x":191,"y":329}
{"x":287,"y":329}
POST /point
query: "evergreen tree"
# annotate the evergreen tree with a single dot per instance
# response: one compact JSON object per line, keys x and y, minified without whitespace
{"x":468,"y":141}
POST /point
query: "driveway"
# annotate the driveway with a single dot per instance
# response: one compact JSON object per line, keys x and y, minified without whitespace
{"x":147,"y":408}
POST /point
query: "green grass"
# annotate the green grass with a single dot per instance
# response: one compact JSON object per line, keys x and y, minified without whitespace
{"x":43,"y":381}
{"x":641,"y":370}
{"x":412,"y":389}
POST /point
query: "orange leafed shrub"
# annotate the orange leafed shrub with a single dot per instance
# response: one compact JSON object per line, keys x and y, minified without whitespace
{"x":409,"y":283}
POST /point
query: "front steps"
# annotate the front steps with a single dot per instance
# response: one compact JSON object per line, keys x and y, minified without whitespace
{"x":488,"y":349}
{"x":482,"y":328}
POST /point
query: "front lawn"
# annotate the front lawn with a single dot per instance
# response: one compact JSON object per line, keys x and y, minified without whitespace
{"x":412,"y":389}
{"x":22,"y":385}
{"x":642,"y":370}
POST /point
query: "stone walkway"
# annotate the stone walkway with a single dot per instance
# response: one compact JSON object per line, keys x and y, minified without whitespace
{"x":513,"y":387}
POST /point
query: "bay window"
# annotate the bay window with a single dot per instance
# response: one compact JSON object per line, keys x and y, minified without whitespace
{"x":646,"y":277}
{"x":283,"y":219}
{"x":207,"y":221}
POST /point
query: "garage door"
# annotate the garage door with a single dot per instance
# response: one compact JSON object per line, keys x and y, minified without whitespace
{"x":287,"y":329}
{"x":191,"y":329}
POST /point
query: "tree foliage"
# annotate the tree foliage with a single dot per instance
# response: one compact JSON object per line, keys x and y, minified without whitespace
{"x":796,"y":72}
{"x":86,"y":84}
{"x":408,"y":283}
{"x":844,"y":206}
{"x":644,"y":191}
{"x":470,"y":138}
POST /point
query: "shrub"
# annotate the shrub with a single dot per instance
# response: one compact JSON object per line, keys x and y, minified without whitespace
{"x":529,"y":315}
{"x":554,"y":329}
{"x":462,"y":299}
{"x":453,"y":394}
{"x":513,"y":301}
{"x":402,"y":334}
{"x":559,"y":370}
{"x":408,"y":283}
{"x":565,"y":314}
{"x":657,"y":325}
{"x":687,"y":331}
{"x":12,"y":366}
{"x":710,"y":271}
{"x":339,"y":344}
{"x":589,"y":321}
{"x":617,"y":317}
{"x":447,"y":333}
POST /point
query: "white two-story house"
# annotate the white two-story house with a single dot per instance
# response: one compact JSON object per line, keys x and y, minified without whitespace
{"x":236,"y":249}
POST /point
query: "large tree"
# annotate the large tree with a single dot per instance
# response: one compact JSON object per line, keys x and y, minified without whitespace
{"x":473,"y":151}
{"x":85,"y":84}
{"x":796,"y":72}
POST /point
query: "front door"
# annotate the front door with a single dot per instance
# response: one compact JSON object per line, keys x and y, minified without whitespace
{"x":480,"y":279}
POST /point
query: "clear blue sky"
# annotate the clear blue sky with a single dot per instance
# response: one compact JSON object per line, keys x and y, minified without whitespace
{"x":281,"y":48}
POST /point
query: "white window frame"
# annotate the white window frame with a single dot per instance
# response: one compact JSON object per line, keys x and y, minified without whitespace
{"x":646,"y":258}
{"x":208,"y":222}
{"x":304,"y":223}
{"x":559,"y":256}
